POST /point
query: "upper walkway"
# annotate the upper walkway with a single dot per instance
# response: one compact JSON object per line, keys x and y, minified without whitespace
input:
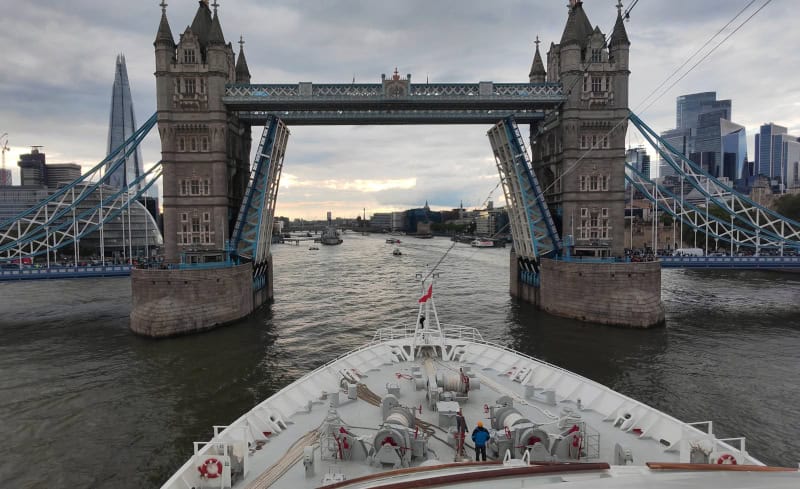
{"x":395,"y":101}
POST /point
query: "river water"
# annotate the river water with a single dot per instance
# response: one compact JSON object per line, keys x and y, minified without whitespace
{"x":85,"y":403}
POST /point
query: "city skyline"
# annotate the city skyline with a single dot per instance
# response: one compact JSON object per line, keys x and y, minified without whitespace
{"x":345,"y":169}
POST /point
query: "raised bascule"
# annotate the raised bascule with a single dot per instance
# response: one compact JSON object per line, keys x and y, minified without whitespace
{"x":566,"y":197}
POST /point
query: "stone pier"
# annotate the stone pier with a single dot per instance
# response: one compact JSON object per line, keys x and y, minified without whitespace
{"x":175,"y":302}
{"x":617,"y":294}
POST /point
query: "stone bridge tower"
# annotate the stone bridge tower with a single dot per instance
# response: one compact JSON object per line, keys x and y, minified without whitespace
{"x":578,"y":151}
{"x":205,"y":150}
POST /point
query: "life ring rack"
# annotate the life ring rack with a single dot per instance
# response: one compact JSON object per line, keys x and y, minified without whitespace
{"x":726,"y":459}
{"x":207,"y":472}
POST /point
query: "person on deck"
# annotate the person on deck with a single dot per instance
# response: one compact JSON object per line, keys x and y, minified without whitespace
{"x":480,"y":436}
{"x":461,"y":433}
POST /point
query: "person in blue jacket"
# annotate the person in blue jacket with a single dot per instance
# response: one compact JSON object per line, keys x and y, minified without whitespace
{"x":480,"y":436}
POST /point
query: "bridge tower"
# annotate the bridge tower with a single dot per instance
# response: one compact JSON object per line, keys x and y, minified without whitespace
{"x":578,"y":151}
{"x":578,"y":154}
{"x":204,"y":148}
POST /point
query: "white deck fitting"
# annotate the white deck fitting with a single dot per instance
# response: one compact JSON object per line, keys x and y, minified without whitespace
{"x":302,"y":407}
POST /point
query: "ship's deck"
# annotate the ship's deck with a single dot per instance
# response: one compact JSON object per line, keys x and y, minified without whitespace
{"x":373,"y":411}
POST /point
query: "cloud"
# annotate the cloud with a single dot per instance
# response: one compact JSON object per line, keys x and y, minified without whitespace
{"x":58,"y":68}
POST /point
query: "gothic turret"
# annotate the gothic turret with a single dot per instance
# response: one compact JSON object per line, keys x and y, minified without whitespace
{"x":537,"y":74}
{"x":242,"y":71}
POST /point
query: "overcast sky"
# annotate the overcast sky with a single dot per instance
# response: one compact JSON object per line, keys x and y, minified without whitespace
{"x":58,"y":69}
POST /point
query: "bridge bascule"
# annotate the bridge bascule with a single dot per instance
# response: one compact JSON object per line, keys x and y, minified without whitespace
{"x":217,"y":233}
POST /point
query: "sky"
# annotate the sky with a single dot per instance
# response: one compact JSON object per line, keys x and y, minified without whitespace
{"x":58,"y":70}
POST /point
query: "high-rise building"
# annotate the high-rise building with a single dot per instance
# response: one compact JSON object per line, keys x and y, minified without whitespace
{"x":640,"y":160}
{"x":734,"y":151}
{"x":778,"y":156}
{"x":121,"y":126}
{"x":32,"y":168}
{"x":59,"y":174}
{"x":698,"y":132}
{"x":5,"y":177}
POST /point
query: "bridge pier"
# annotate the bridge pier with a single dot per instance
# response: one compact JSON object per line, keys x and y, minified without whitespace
{"x":615,"y":294}
{"x":183,"y":301}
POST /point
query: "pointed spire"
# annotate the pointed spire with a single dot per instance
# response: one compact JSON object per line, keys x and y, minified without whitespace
{"x":201,"y":25}
{"x":215,"y":35}
{"x":537,"y":74}
{"x":242,"y":71}
{"x":619,"y":36}
{"x":578,"y":26}
{"x":164,"y":32}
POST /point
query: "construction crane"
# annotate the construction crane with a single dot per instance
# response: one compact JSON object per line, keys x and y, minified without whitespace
{"x":4,"y":147}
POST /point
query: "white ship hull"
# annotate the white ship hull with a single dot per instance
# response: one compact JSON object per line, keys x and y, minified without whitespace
{"x":385,"y":414}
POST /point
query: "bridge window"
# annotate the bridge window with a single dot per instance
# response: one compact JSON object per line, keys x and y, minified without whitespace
{"x":583,"y":183}
{"x":181,"y":144}
{"x":184,"y":217}
{"x":189,"y":56}
{"x":204,"y":143}
{"x":189,"y":86}
{"x":184,"y":190}
{"x":195,"y":187}
{"x":206,"y":217}
{"x":195,"y":224}
{"x":604,"y":180}
{"x":596,"y":57}
{"x":597,"y":84}
{"x":202,"y":85}
{"x":594,"y":184}
{"x":206,"y":187}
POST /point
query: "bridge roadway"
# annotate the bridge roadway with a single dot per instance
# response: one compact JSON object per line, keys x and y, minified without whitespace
{"x":393,"y":102}
{"x":740,"y":262}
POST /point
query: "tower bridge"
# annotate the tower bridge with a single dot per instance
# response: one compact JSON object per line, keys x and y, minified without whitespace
{"x":565,"y":196}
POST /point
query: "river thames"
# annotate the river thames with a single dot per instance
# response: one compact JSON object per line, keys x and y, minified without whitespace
{"x":86,"y":403}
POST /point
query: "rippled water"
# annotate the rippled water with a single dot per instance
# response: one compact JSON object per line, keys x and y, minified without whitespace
{"x":85,"y":403}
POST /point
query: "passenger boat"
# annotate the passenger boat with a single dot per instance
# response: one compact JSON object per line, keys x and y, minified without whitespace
{"x":384,"y":416}
{"x":482,"y":243}
{"x":330,"y":236}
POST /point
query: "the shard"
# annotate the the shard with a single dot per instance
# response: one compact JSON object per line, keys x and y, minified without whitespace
{"x":122,"y":124}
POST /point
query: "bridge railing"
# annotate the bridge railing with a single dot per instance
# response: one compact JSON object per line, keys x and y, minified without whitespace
{"x":415,"y":90}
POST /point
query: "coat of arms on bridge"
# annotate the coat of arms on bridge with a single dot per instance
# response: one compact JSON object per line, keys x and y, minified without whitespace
{"x":396,"y":87}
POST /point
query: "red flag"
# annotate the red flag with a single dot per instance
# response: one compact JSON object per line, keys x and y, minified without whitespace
{"x":427,"y":295}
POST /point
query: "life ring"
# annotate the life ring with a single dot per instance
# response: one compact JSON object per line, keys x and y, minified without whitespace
{"x":210,"y":474}
{"x":726,"y":459}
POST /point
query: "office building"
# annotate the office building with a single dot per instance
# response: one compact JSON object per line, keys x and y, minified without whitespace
{"x":778,"y":156}
{"x":639,"y":159}
{"x":32,"y":168}
{"x":5,"y":177}
{"x":59,"y":174}
{"x":698,"y":132}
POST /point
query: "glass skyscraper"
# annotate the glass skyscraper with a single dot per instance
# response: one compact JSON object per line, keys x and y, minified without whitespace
{"x":778,"y":156}
{"x":702,"y":127}
{"x":122,"y":124}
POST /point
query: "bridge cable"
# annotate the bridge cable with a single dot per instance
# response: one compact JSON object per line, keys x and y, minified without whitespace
{"x":708,"y":53}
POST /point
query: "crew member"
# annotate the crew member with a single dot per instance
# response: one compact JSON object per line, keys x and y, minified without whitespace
{"x":480,"y":436}
{"x":461,"y":433}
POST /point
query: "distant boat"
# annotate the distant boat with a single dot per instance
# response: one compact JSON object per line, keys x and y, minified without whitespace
{"x":392,"y":241}
{"x":313,"y":247}
{"x":397,"y":252}
{"x":482,"y":243}
{"x":424,"y":236}
{"x":330,"y":236}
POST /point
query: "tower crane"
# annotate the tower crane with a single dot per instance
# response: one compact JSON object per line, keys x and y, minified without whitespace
{"x":4,"y":147}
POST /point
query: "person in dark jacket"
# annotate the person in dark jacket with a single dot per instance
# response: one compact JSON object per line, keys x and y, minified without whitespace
{"x":461,"y":433}
{"x":480,"y":436}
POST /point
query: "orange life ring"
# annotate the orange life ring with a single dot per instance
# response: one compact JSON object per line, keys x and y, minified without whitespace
{"x":210,"y":474}
{"x":727,"y":459}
